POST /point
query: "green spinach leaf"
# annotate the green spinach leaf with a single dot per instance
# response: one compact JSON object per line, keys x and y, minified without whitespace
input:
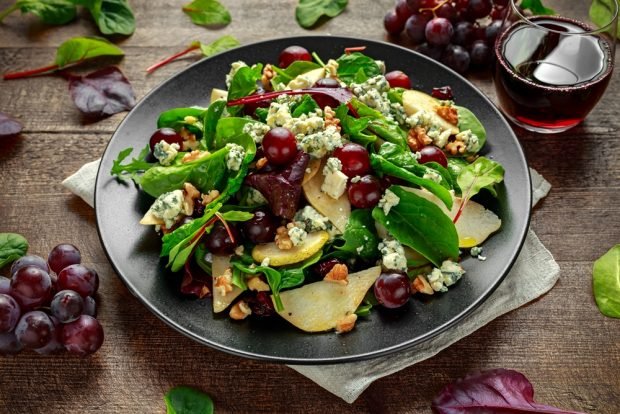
{"x":186,"y":400}
{"x":606,"y":282}
{"x":354,"y":127}
{"x":210,"y":122}
{"x":113,"y":17}
{"x":467,"y":120}
{"x":305,"y":106}
{"x":381,"y":126}
{"x":536,"y":7}
{"x":295,"y":69}
{"x":219,"y":45}
{"x":273,"y":276}
{"x":243,"y":84}
{"x":54,"y":12}
{"x":482,"y":173}
{"x":360,"y":237}
{"x":176,"y":118}
{"x":79,"y":49}
{"x":421,"y":225}
{"x":308,"y":12}
{"x":12,"y":247}
{"x":295,"y":276}
{"x":350,"y":65}
{"x":207,"y":13}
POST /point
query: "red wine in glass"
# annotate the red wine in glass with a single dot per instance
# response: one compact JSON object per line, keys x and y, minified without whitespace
{"x":549,"y":74}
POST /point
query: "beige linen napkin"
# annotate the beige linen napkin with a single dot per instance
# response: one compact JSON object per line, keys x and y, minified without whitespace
{"x":533,"y":274}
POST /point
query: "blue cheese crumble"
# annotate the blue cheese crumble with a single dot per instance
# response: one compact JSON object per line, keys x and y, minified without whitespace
{"x":471,"y":140}
{"x":235,"y":156}
{"x":434,"y":131}
{"x":297,"y":235}
{"x":393,"y":255}
{"x":311,"y":220}
{"x":305,"y":124}
{"x":373,"y":93}
{"x":335,"y":182}
{"x":447,"y":275}
{"x":165,"y":153}
{"x":168,"y":207}
{"x":476,"y":251}
{"x":388,"y":201}
{"x":432,"y":175}
{"x":256,"y":130}
{"x":320,"y":143}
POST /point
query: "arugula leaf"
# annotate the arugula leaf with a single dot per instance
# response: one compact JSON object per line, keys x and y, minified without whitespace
{"x":469,"y":121}
{"x":293,"y":70}
{"x":350,"y":65}
{"x":137,"y":164}
{"x":186,"y":400}
{"x":177,"y":118}
{"x":602,"y":13}
{"x":207,"y":13}
{"x":360,"y":237}
{"x":308,"y":12}
{"x":536,"y":7}
{"x":12,"y":247}
{"x":219,"y":45}
{"x":421,"y":225}
{"x":354,"y":127}
{"x":606,"y":282}
{"x":482,"y":173}
{"x":79,"y":49}
{"x":54,"y":12}
{"x":113,"y":17}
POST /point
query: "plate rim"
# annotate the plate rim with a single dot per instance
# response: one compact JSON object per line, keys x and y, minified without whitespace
{"x":520,"y":156}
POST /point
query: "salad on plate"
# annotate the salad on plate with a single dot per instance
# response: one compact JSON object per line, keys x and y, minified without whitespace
{"x":315,"y":191}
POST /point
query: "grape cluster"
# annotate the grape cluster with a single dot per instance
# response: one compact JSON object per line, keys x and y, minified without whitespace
{"x":49,"y":306}
{"x":458,"y":33}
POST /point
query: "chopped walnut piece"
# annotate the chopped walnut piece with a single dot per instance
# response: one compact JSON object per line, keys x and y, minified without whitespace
{"x":261,"y":163}
{"x":268,"y":74}
{"x":346,"y":324}
{"x":240,"y":310}
{"x":190,"y":193}
{"x":189,"y":140}
{"x":420,"y":284}
{"x":417,"y":138}
{"x":449,"y":113}
{"x":330,"y":118}
{"x":456,"y":147}
{"x":257,"y":284}
{"x":338,"y":274}
{"x":223,"y":283}
{"x":209,"y":197}
{"x":194,"y":155}
{"x":283,"y":240}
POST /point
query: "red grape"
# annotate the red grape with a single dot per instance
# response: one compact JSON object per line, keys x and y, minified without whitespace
{"x":491,"y":31}
{"x":327,"y":83}
{"x":431,"y":153}
{"x":443,"y":93}
{"x":354,"y":158}
{"x":501,"y":2}
{"x":67,"y":306}
{"x":463,"y":33}
{"x":31,"y":287}
{"x":261,"y":228}
{"x":398,"y":79}
{"x":261,"y":305}
{"x":9,"y":313}
{"x":433,"y":52}
{"x":456,"y":57}
{"x":218,"y":241}
{"x":90,"y":306}
{"x":55,"y":345}
{"x":166,"y":134}
{"x":79,"y":278}
{"x":393,"y":24}
{"x":34,"y":330}
{"x":292,"y":54}
{"x":5,"y":285}
{"x":365,"y":193}
{"x":402,"y":9}
{"x":438,"y":31}
{"x":83,"y":336}
{"x":62,"y":256}
{"x":447,"y":11}
{"x":479,"y":8}
{"x":324,"y":267}
{"x":392,"y":290}
{"x":30,"y":260}
{"x":415,"y":28}
{"x":9,"y":344}
{"x":480,"y":53}
{"x":280,"y":146}
{"x":414,"y":5}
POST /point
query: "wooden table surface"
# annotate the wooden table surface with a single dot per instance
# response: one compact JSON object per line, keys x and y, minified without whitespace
{"x":569,"y":351}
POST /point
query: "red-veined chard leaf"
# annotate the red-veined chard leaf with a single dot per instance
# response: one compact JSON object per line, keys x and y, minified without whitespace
{"x":102,"y":93}
{"x":186,"y":400}
{"x":79,"y":49}
{"x":113,"y":17}
{"x":606,"y":282}
{"x":207,"y":13}
{"x":308,"y":12}
{"x":9,"y":126}
{"x":497,"y":391}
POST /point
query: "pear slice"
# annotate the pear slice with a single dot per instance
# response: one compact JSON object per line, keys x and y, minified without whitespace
{"x":414,"y":101}
{"x":218,"y":94}
{"x":313,"y":167}
{"x":319,"y":306}
{"x":306,"y":80}
{"x":218,"y":267}
{"x":474,"y":225}
{"x":278,"y":257}
{"x":336,"y":210}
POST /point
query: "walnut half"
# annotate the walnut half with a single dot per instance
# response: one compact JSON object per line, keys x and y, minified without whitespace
{"x":338,"y":274}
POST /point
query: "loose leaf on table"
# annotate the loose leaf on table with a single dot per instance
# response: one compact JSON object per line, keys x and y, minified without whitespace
{"x":54,"y":12}
{"x":73,"y":52}
{"x":536,"y":7}
{"x":102,"y":93}
{"x":357,"y":67}
{"x":606,"y":282}
{"x":308,"y":12}
{"x":9,"y":126}
{"x":421,"y":225}
{"x":602,"y":13}
{"x":482,"y":173}
{"x":495,"y":391}
{"x":186,"y":400}
{"x":12,"y":247}
{"x":113,"y":17}
{"x":207,"y":13}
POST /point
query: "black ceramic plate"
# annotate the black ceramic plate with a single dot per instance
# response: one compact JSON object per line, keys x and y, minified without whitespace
{"x":133,"y":249}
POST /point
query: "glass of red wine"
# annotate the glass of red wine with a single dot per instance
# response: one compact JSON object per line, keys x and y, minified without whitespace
{"x":551,"y":70}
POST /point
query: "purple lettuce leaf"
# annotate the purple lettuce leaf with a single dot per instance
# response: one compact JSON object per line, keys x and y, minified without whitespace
{"x":497,"y":391}
{"x":102,"y":93}
{"x":9,"y":126}
{"x":195,"y":281}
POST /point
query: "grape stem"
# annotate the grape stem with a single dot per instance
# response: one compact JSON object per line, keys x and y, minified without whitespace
{"x":434,"y":9}
{"x":169,"y":59}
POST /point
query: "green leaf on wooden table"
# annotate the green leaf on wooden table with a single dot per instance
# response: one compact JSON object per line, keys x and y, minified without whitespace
{"x":219,"y":45}
{"x":207,"y":13}
{"x":79,"y":49}
{"x":308,"y":12}
{"x":536,"y":7}
{"x":12,"y":247}
{"x":186,"y":400}
{"x":606,"y":282}
{"x":602,"y":13}
{"x":113,"y":16}
{"x":49,"y":11}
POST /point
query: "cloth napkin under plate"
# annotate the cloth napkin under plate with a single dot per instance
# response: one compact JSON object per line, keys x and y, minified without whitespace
{"x":533,"y":274}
